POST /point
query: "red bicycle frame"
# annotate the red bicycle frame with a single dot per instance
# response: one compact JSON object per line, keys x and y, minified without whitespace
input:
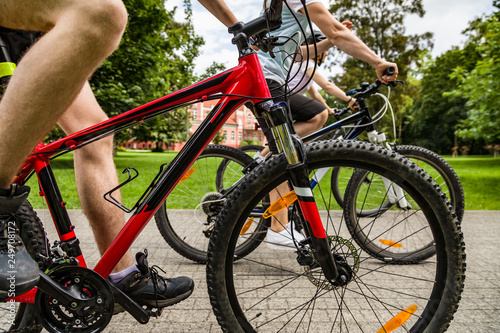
{"x":236,"y":86}
{"x":241,"y":84}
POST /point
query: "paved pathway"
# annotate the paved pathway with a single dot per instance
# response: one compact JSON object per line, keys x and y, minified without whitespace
{"x":479,"y":310}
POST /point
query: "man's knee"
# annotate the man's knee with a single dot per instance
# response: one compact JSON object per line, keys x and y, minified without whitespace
{"x":106,"y":19}
{"x":320,"y":119}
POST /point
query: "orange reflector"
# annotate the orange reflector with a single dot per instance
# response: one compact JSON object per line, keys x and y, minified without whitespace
{"x":390,"y":243}
{"x":246,"y":226}
{"x":398,"y":320}
{"x":187,"y":174}
{"x":280,"y":204}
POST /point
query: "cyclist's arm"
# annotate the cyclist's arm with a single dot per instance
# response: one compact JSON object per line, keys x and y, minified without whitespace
{"x":321,"y":47}
{"x":341,"y":37}
{"x":330,"y":88}
{"x":314,"y":94}
{"x":220,"y":10}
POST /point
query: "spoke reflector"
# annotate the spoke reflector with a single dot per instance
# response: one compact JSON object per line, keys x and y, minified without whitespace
{"x":187,"y":174}
{"x":246,"y":226}
{"x":398,"y":320}
{"x":280,"y":204}
{"x":390,"y":243}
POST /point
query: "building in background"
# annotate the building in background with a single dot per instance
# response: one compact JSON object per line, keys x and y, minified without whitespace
{"x":240,"y":127}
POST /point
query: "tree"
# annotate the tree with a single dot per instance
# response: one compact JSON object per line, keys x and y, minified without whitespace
{"x":431,"y":120}
{"x":155,"y":58}
{"x":380,"y":24}
{"x":481,"y":84}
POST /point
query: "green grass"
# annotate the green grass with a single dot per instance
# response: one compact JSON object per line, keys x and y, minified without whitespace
{"x":480,"y":176}
{"x":147,"y":164}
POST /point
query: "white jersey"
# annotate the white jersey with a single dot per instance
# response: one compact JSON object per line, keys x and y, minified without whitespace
{"x":277,"y":68}
{"x":299,"y":81}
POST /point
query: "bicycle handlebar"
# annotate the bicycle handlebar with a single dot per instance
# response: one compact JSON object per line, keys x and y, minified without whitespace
{"x":366,"y":90}
{"x":269,"y":21}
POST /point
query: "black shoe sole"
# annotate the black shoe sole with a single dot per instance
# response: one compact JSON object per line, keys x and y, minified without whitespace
{"x":161,"y":303}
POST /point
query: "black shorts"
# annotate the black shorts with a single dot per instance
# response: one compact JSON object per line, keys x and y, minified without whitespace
{"x":301,"y":108}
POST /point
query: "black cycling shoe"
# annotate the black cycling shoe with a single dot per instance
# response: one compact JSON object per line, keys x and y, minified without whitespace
{"x":147,"y":287}
{"x":19,"y":273}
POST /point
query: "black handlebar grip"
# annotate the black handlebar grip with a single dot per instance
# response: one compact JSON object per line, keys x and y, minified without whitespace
{"x":389,"y":71}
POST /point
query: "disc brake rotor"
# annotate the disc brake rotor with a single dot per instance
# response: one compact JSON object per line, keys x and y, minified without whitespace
{"x":342,"y":249}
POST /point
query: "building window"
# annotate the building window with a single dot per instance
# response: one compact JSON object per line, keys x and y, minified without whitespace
{"x":225,"y":135}
{"x":239,"y":137}
{"x":195,"y":114}
{"x":249,"y":119}
{"x":255,"y":136}
{"x":232,"y":136}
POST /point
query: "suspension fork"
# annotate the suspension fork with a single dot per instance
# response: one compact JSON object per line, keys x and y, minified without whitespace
{"x":291,"y":145}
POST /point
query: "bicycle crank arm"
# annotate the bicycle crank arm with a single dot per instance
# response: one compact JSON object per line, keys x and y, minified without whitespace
{"x":138,"y":312}
{"x":66,"y":296}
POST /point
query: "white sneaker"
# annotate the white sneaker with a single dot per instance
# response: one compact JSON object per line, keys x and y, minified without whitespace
{"x":283,"y":240}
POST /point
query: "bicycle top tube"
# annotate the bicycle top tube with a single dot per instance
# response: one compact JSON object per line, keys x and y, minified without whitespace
{"x":243,"y":83}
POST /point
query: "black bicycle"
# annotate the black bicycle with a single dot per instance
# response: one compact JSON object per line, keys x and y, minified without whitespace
{"x":215,"y":173}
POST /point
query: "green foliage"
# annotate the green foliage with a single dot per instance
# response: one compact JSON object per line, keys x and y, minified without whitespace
{"x":460,"y":90}
{"x":249,"y":142}
{"x":481,"y":84}
{"x":213,"y":69}
{"x":430,"y":122}
{"x":155,"y":58}
{"x":380,"y":24}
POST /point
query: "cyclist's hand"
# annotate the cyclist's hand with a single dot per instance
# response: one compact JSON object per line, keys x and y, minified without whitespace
{"x":348,"y":24}
{"x":352,"y":104}
{"x":381,"y":67}
{"x":331,"y":111}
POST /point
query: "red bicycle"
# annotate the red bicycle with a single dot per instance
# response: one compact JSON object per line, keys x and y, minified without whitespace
{"x":328,"y":282}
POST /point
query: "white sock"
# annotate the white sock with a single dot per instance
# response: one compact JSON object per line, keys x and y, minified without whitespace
{"x":117,"y":277}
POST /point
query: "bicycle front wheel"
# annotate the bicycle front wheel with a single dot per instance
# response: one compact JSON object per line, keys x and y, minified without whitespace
{"x":186,"y":218}
{"x":273,"y":291}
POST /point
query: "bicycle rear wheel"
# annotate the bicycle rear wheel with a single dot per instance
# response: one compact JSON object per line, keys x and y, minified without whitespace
{"x":272,"y":291}
{"x":426,"y":159}
{"x":186,"y":218}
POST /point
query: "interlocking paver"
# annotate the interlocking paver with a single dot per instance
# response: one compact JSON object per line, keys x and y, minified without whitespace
{"x":479,"y":309}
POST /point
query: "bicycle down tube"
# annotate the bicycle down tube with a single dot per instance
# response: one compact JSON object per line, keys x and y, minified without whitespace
{"x":236,"y":81}
{"x":239,"y":80}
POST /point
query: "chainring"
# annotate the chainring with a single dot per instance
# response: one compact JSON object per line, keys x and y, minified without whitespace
{"x":91,"y":317}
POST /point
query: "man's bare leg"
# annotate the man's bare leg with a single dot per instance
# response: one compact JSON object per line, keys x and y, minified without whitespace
{"x":95,"y":174}
{"x":80,"y":35}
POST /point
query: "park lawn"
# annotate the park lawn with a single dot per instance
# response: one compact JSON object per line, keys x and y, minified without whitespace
{"x":146,"y":163}
{"x":480,"y":176}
